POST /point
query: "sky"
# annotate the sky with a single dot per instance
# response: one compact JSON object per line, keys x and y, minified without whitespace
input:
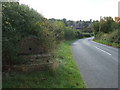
{"x":74,"y":9}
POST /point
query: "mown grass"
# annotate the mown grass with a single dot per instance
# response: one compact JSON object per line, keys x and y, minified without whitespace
{"x":66,"y":75}
{"x":108,"y":43}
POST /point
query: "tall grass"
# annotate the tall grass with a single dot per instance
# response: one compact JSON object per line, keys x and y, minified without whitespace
{"x":66,"y":75}
{"x":112,"y":38}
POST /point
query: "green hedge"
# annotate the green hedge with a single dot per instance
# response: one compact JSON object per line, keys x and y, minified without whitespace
{"x":20,"y":21}
{"x":71,"y":33}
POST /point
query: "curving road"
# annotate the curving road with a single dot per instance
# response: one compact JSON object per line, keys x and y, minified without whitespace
{"x":98,"y":63}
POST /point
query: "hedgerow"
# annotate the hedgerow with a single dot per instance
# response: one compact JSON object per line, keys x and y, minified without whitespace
{"x":20,"y":21}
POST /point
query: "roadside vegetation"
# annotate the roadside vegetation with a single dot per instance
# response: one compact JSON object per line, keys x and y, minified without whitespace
{"x":107,"y":31}
{"x":66,"y":75}
{"x":22,"y":25}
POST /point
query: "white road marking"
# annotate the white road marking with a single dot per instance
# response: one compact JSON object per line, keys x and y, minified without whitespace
{"x":102,"y":44}
{"x":103,"y":51}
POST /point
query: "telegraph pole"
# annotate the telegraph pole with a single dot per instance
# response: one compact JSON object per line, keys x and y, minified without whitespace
{"x":91,"y":25}
{"x":100,"y":24}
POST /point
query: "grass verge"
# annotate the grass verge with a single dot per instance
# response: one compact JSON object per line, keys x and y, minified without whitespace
{"x":66,"y":75}
{"x":108,"y":43}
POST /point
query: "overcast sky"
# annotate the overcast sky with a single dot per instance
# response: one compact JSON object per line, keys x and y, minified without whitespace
{"x":74,"y":9}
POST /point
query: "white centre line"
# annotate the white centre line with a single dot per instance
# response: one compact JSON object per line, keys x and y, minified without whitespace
{"x":103,"y":51}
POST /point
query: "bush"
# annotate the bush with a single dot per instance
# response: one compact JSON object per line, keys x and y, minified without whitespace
{"x":87,"y":34}
{"x":70,"y":33}
{"x":95,"y":27}
{"x":59,"y":28}
{"x":99,"y":35}
{"x":112,"y":37}
{"x":106,"y":25}
{"x":20,"y":21}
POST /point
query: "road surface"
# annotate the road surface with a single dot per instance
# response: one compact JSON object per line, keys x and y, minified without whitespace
{"x":98,"y":63}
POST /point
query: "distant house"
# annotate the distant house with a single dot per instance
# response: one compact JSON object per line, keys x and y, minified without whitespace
{"x":78,"y":26}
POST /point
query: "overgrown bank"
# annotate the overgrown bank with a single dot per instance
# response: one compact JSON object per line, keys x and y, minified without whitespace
{"x":66,"y":76}
{"x":107,"y":31}
{"x":31,"y":41}
{"x":26,"y":32}
{"x":111,"y":39}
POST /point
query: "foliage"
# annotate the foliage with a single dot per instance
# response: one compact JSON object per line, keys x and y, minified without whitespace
{"x":117,"y":19}
{"x":66,"y":76}
{"x":112,"y":37}
{"x":79,"y":25}
{"x":95,"y":27}
{"x":69,"y":33}
{"x":107,"y":30}
{"x":20,"y":21}
{"x":105,"y":25}
{"x":108,"y":43}
{"x":59,"y":28}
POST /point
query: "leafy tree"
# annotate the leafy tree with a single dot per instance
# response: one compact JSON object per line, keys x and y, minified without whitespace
{"x":106,"y":24}
{"x":95,"y":27}
{"x":71,"y":33}
{"x":59,"y":30}
{"x":20,"y":21}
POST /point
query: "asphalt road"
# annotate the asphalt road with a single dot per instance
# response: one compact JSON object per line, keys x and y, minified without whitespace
{"x":98,"y":63}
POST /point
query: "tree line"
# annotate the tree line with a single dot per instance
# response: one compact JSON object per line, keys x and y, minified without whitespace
{"x":107,"y":29}
{"x":20,"y":21}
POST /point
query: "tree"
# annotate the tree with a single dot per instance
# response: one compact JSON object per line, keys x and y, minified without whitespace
{"x":59,"y":30}
{"x":70,"y":33}
{"x":106,"y":24}
{"x":20,"y":21}
{"x":96,"y":27}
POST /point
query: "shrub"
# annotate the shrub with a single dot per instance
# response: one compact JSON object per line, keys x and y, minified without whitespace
{"x":20,"y":21}
{"x":95,"y":27}
{"x":59,"y":28}
{"x":70,"y":33}
{"x":114,"y":36}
